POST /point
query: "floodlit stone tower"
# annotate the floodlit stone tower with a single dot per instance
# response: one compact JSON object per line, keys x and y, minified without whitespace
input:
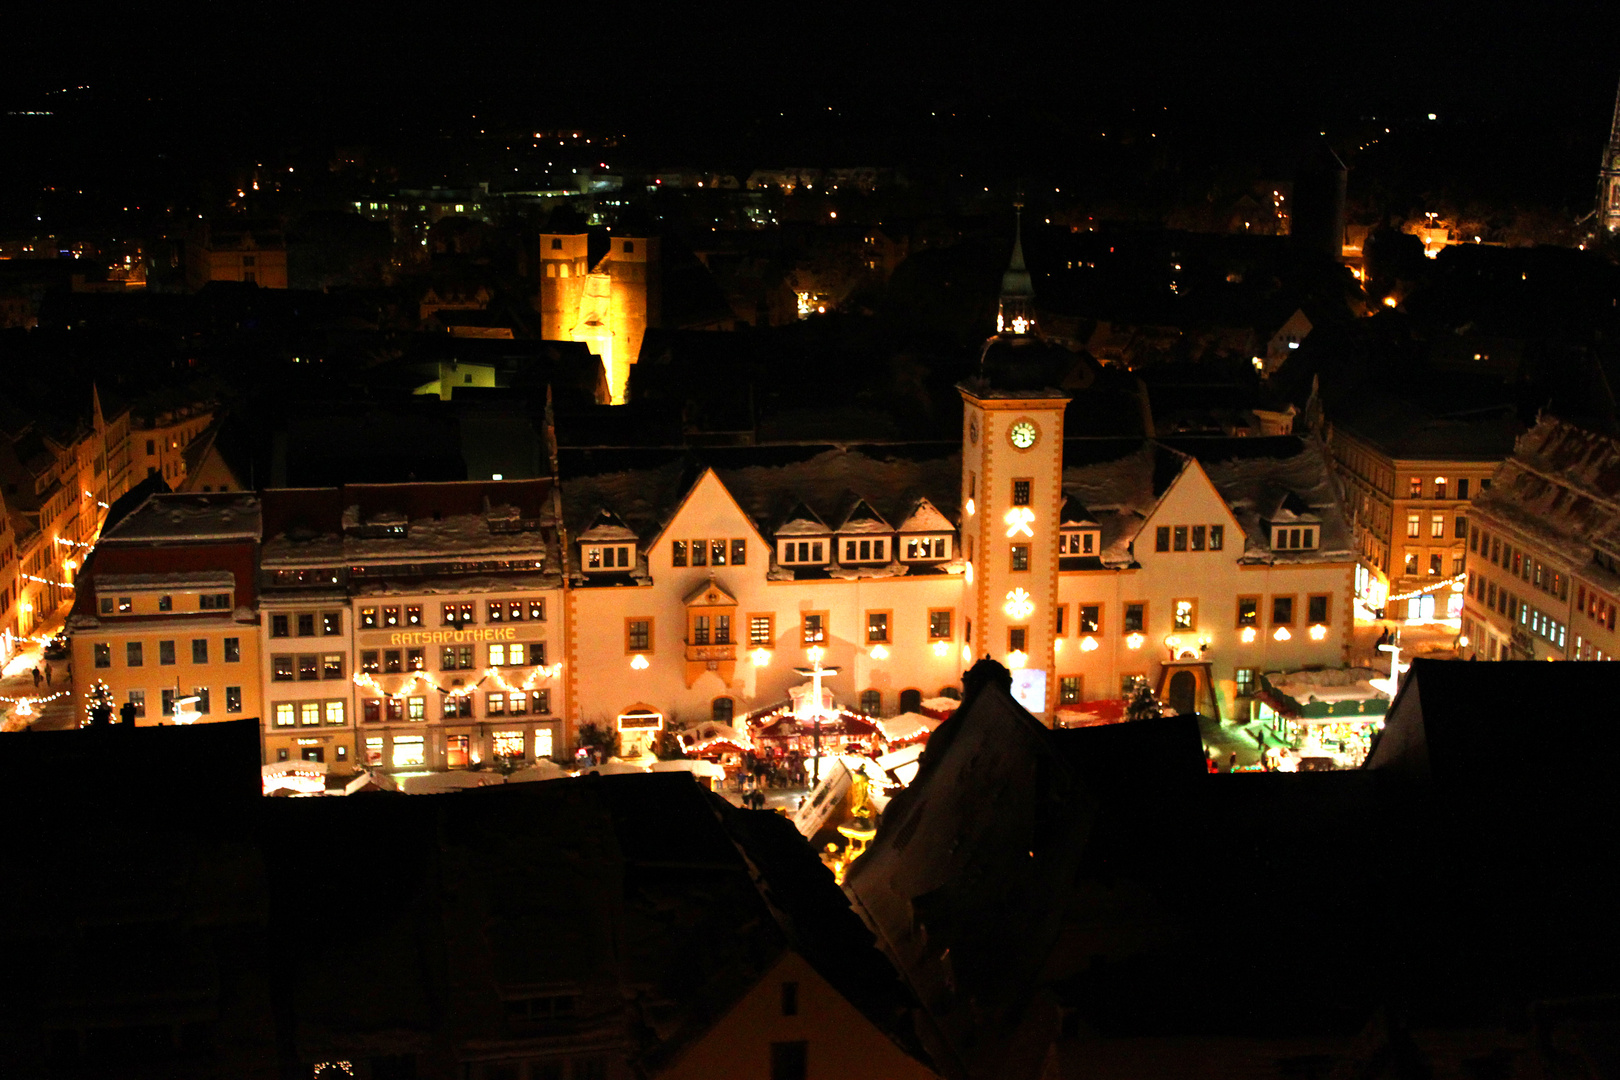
{"x":1608,"y":202}
{"x":564,"y":262}
{"x":632,"y":265}
{"x":1012,"y":491}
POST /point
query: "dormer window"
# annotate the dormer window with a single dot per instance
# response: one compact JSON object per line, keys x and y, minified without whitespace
{"x":1072,"y":542}
{"x":866,"y":550}
{"x":608,"y":556}
{"x":926,"y":548}
{"x":1294,"y":538}
{"x":802,"y":552}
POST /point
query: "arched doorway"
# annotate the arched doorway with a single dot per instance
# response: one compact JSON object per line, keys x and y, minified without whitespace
{"x":1184,"y":693}
{"x":910,"y":701}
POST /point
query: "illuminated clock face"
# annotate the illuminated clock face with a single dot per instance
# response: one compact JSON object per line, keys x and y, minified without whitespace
{"x":973,"y":432}
{"x":1022,"y":434}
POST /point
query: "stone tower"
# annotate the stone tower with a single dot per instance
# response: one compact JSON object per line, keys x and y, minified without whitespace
{"x":564,"y":262}
{"x":1012,"y":491}
{"x":1608,"y":201}
{"x":608,"y":307}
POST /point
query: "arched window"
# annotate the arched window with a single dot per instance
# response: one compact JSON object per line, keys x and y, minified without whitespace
{"x":910,"y":701}
{"x":722,"y":710}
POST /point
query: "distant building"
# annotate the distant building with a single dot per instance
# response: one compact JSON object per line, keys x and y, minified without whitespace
{"x":1544,"y":551}
{"x":608,"y":306}
{"x":160,"y":434}
{"x":250,"y":256}
{"x":1608,"y":201}
{"x":1410,"y":481}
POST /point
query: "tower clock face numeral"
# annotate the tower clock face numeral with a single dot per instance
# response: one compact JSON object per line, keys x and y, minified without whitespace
{"x":1022,"y":434}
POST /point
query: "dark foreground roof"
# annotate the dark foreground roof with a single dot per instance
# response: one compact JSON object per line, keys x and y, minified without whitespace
{"x":165,"y":895}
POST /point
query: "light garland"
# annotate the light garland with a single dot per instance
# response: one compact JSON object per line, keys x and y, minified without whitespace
{"x":48,"y":581}
{"x":419,"y":681}
{"x":1454,"y":579}
{"x":25,"y":705}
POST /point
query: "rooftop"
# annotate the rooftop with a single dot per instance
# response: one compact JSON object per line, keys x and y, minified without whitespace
{"x":189,"y":517}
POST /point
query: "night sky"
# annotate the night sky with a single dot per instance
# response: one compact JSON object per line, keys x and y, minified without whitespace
{"x":727,"y":84}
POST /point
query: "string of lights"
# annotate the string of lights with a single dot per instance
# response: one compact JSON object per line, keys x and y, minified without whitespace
{"x":418,"y":682}
{"x":47,"y":581}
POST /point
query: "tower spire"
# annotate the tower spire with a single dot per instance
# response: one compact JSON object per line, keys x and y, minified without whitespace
{"x":1608,"y":201}
{"x":1016,"y":312}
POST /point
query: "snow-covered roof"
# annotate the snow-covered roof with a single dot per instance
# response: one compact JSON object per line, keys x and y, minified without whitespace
{"x":924,"y":518}
{"x":1117,"y":482}
{"x":195,"y":579}
{"x":863,"y":519}
{"x":1561,"y":489}
{"x":607,"y":526}
{"x":188,"y":516}
{"x":802,"y":521}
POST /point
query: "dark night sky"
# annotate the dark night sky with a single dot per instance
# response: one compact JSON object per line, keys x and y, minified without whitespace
{"x":1256,"y":56}
{"x":839,"y":80}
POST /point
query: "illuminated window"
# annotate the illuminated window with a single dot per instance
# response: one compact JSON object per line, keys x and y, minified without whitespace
{"x":1414,"y":524}
{"x":1090,"y":618}
{"x":495,"y":703}
{"x":281,"y":668}
{"x":537,"y":610}
{"x":717,"y":553}
{"x":413,"y":615}
{"x":677,"y":553}
{"x":1439,"y":487}
{"x":760,"y":631}
{"x":700,"y":553}
{"x":939,"y":624}
{"x":332,"y":621}
{"x":739,"y":552}
{"x":409,"y":751}
{"x":1248,"y":611}
{"x":332,"y":666}
{"x":1217,"y":537}
{"x":1415,"y":488}
{"x":309,"y":713}
{"x":1437,"y":527}
{"x":541,"y":700}
{"x":877,"y":627}
{"x":416,"y":708}
{"x":1184,"y":615}
{"x":1020,"y":492}
{"x":391,"y":662}
{"x":374,"y":751}
{"x":284,"y":714}
{"x":1020,"y":556}
{"x":368,"y":661}
{"x":814,"y":627}
{"x":334,"y":712}
{"x":1069,"y":690}
{"x":1244,"y":678}
{"x":368,"y":619}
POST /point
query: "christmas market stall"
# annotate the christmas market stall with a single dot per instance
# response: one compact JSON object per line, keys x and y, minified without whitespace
{"x":907,"y":728}
{"x":1323,"y":719}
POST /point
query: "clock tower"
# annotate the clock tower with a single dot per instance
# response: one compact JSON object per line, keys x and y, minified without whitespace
{"x":1012,"y":490}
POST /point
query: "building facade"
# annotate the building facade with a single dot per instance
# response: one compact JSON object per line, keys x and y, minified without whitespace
{"x":408,"y":626}
{"x":165,"y":616}
{"x":1544,"y":551}
{"x":1409,"y":484}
